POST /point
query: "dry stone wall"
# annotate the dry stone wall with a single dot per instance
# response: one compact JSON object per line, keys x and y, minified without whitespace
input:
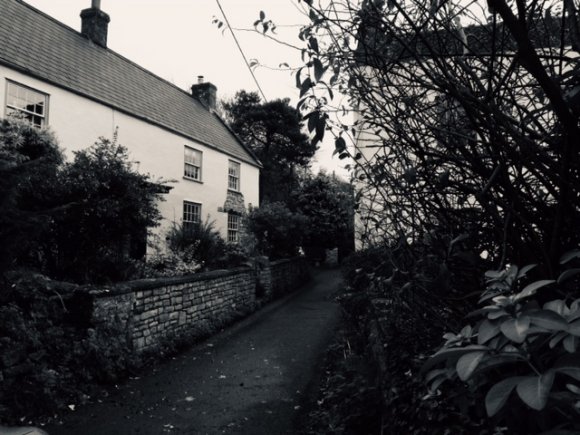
{"x":153,"y":311}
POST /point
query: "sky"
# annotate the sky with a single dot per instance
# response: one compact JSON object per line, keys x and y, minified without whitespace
{"x":176,"y":40}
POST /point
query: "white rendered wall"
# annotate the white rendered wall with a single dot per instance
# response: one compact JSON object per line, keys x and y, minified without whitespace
{"x":78,"y":122}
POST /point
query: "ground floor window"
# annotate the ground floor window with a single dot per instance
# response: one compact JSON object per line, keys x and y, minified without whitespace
{"x":233,"y":228}
{"x":191,"y":214}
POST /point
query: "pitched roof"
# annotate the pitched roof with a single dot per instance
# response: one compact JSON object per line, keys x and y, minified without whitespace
{"x":41,"y":46}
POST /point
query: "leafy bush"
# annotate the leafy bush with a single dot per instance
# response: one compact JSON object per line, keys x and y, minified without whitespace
{"x":278,"y":231}
{"x":328,"y":204}
{"x":110,"y":206}
{"x":50,"y":354}
{"x":520,"y":341}
{"x":29,"y":160}
{"x":201,"y":246}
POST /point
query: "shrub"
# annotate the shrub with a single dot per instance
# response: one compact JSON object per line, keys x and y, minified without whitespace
{"x":201,"y":246}
{"x":278,"y":231}
{"x":521,"y":350}
{"x":51,"y":356}
{"x":29,"y":161}
{"x":111,"y":206}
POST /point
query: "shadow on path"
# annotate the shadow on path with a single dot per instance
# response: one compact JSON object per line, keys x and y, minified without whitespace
{"x":250,"y":379}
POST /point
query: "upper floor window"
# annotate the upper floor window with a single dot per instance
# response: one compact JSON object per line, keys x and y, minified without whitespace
{"x":192,"y":165}
{"x":191,"y":214}
{"x":27,"y":103}
{"x":234,"y":176}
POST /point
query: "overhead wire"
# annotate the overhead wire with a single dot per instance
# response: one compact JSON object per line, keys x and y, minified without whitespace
{"x":241,"y":51}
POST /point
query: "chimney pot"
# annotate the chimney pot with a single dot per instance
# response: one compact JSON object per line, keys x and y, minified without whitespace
{"x":199,"y":79}
{"x":96,"y":4}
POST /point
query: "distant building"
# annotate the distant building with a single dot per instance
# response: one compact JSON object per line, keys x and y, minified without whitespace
{"x":72,"y":83}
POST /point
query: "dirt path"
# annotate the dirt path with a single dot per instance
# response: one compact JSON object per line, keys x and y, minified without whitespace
{"x":248,"y":380}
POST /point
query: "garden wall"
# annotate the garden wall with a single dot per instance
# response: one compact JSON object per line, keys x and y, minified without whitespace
{"x":152,"y":311}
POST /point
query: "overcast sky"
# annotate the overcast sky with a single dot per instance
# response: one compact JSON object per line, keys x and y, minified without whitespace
{"x":176,"y":40}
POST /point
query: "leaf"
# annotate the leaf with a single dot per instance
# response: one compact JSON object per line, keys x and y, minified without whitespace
{"x":557,"y":339}
{"x":494,"y":274}
{"x":318,"y":69}
{"x":435,"y":373}
{"x":573,"y":372}
{"x":513,"y":330}
{"x":570,"y":344}
{"x":574,"y":328}
{"x":531,"y":289}
{"x":467,"y":364}
{"x":450,"y":354}
{"x":498,"y":395}
{"x":487,"y":330}
{"x":557,"y":306}
{"x":262,"y":15}
{"x":567,"y":274}
{"x":305,"y":86}
{"x":548,"y":319}
{"x":525,"y":270}
{"x":313,"y":43}
{"x":340,"y":144}
{"x":534,"y":390}
{"x":570,"y":255}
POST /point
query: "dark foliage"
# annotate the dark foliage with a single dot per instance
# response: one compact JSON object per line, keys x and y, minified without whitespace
{"x":29,"y":160}
{"x":111,"y":207}
{"x":328,"y":204}
{"x":278,"y":231}
{"x":51,"y":356}
{"x":201,"y":244}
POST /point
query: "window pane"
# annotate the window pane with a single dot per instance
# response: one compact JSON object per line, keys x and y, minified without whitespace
{"x":192,"y":165}
{"x":28,"y":103}
{"x":234,"y":175}
{"x":191,"y":212}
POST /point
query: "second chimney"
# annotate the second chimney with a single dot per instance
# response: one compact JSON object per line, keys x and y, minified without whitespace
{"x":95,"y":23}
{"x":205,"y":92}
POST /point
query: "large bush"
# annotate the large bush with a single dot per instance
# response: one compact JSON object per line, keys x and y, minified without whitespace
{"x":51,"y":356}
{"x":201,"y":246}
{"x":278,"y":231}
{"x":29,"y":162}
{"x":111,"y":207}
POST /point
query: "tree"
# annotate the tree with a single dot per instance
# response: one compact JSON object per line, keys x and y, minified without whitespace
{"x":273,"y":130}
{"x":457,"y":106}
{"x":328,"y":205}
{"x":112,"y":208}
{"x":278,"y":231}
{"x":29,"y":161}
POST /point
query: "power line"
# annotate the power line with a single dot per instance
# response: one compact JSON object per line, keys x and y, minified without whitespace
{"x":241,"y":51}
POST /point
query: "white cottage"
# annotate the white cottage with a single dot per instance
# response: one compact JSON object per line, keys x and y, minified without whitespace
{"x":82,"y":90}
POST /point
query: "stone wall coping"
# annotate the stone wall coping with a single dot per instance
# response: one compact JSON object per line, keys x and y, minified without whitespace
{"x":153,"y":283}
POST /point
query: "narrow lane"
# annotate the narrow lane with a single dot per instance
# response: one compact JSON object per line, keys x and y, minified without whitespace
{"x":248,"y":380}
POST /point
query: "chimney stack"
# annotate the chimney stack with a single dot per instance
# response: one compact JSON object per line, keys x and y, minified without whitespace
{"x":95,"y":23}
{"x":205,"y":92}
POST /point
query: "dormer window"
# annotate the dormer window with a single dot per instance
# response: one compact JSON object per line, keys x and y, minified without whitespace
{"x":24,"y":102}
{"x":234,"y":176}
{"x":192,"y":164}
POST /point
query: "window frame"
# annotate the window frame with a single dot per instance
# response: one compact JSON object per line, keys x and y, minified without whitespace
{"x":236,"y":177}
{"x":190,"y":164}
{"x":27,"y":114}
{"x":186,"y":213}
{"x":234,"y":227}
